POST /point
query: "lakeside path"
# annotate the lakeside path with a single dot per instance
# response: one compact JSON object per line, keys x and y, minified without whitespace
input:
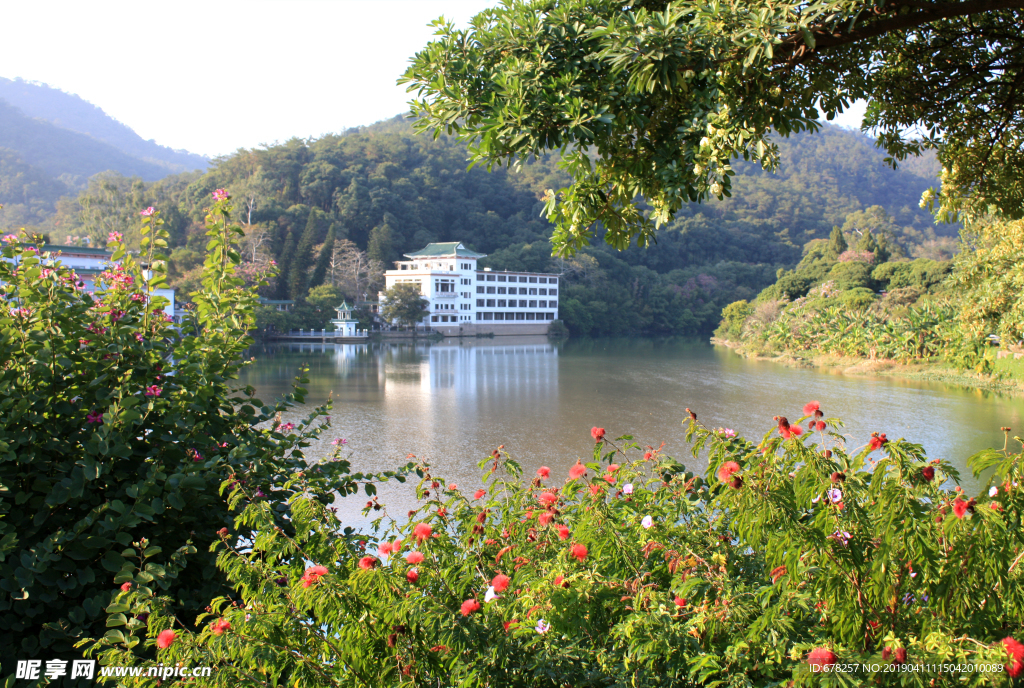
{"x":852,"y":365}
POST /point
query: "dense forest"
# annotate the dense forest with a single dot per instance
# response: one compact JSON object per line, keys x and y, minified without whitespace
{"x":336,"y":210}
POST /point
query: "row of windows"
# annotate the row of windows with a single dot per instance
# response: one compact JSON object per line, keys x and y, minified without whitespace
{"x":522,"y":291}
{"x":444,"y":306}
{"x":490,"y":277}
{"x":448,"y":318}
{"x":515,"y":316}
{"x":511,"y":303}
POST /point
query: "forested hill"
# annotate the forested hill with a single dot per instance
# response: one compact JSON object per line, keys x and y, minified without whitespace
{"x":388,"y":191}
{"x":69,"y":111}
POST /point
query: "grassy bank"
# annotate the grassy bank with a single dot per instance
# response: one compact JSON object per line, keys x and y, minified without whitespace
{"x":1008,"y":378}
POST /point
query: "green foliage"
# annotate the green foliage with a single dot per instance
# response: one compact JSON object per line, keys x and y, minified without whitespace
{"x":857,"y":298}
{"x":629,"y":571}
{"x":851,"y":275}
{"x":733,"y":317}
{"x":404,"y":304}
{"x":991,"y":282}
{"x":650,"y":104}
{"x":117,"y":431}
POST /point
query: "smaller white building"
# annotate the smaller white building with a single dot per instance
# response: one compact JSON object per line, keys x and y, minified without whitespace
{"x":88,"y":263}
{"x":467,"y":300}
{"x":345,"y":325}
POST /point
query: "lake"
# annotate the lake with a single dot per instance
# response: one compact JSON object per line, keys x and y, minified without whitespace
{"x":452,"y":402}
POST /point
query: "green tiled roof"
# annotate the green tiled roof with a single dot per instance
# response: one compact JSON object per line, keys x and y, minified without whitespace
{"x":98,"y":252}
{"x":448,"y":248}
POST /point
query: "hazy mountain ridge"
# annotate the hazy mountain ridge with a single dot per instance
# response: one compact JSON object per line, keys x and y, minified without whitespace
{"x":71,"y":112}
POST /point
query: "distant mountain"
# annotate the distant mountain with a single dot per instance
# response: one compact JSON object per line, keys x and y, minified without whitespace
{"x":69,"y":111}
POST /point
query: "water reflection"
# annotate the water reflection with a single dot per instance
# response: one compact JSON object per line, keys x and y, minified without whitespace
{"x":453,"y":401}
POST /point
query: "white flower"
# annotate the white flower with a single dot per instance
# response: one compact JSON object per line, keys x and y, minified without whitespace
{"x":543,"y":626}
{"x":993,"y":491}
{"x":647,"y":522}
{"x":628,"y":488}
{"x":716,"y":188}
{"x":698,"y":170}
{"x":705,"y":141}
{"x":490,"y":595}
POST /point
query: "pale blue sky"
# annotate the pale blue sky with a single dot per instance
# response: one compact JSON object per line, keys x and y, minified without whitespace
{"x":215,"y":76}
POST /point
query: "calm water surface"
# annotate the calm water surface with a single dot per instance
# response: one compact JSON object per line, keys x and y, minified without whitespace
{"x":454,"y":401}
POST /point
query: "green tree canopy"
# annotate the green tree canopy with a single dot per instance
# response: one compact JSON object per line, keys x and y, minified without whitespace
{"x":403,"y":303}
{"x":650,"y":101}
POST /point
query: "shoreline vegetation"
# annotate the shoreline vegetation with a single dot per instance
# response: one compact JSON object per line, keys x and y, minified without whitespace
{"x":920,"y":371}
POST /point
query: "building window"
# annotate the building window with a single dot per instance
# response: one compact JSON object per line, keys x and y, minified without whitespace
{"x":510,"y":316}
{"x":501,"y":303}
{"x":543,"y":280}
{"x":499,"y":316}
{"x":479,"y":303}
{"x":533,"y":292}
{"x":543,"y":292}
{"x":479,"y":290}
{"x":552,"y":292}
{"x":433,"y":318}
{"x":543,"y":304}
{"x":520,"y":316}
{"x":479,"y":316}
{"x":549,"y":316}
{"x":522,"y":279}
{"x":490,"y":303}
{"x":490,"y":278}
{"x":480,"y":277}
{"x":531,"y":316}
{"x":533,"y":280}
{"x":533,"y":304}
{"x":490,"y":290}
{"x":501,"y":290}
{"x":488,"y":316}
{"x":522,"y":304}
{"x":501,"y":278}
{"x":552,"y":280}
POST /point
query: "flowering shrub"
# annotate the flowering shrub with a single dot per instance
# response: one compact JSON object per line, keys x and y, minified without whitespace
{"x":796,"y":554}
{"x":117,"y":431}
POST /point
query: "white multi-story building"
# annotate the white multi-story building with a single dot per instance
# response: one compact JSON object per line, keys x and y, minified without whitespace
{"x":466,"y":300}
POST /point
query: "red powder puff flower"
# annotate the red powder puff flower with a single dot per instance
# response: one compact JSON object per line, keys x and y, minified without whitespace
{"x":796,"y":430}
{"x":384,"y":548}
{"x":442,"y":512}
{"x":422,"y":531}
{"x":1016,"y":669}
{"x":928,"y":474}
{"x":577,"y":471}
{"x":680,"y":602}
{"x":558,"y":581}
{"x":414,"y":557}
{"x":648,"y":456}
{"x":786,"y":432}
{"x":126,"y":586}
{"x":563,"y":533}
{"x":1013,"y":648}
{"x":821,"y":657}
{"x":367,"y":563}
{"x":579,"y":551}
{"x":726,"y":470}
{"x":597,"y":434}
{"x":612,"y":467}
{"x":810,"y":407}
{"x":164,"y":640}
{"x":395,"y":546}
{"x":594,"y":489}
{"x":508,"y":624}
{"x":470,"y":606}
{"x":736,"y":482}
{"x":548,"y":498}
{"x":219,"y":626}
{"x":312,"y":575}
{"x":610,"y":479}
{"x":877,"y":441}
{"x":960,"y":507}
{"x":543,"y":472}
{"x":412,"y":576}
{"x":500,"y":582}
{"x":545,"y":518}
{"x":479,"y":493}
{"x":821,"y":425}
{"x":901,"y":655}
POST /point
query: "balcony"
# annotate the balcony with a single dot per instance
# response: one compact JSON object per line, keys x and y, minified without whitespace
{"x":445,"y":295}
